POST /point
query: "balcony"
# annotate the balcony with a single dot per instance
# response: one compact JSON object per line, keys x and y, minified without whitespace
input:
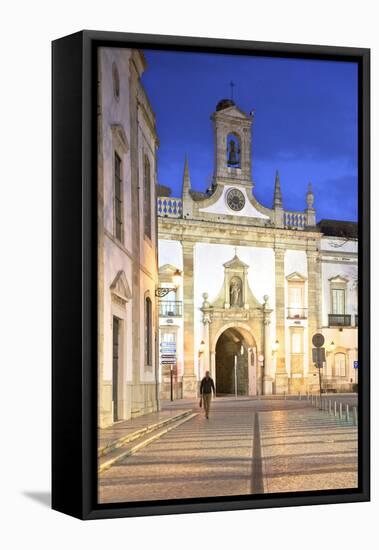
{"x":336,"y":320}
{"x":297,"y":313}
{"x":169,"y":308}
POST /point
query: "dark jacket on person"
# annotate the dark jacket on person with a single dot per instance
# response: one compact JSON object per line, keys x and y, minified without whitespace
{"x":207,"y":385}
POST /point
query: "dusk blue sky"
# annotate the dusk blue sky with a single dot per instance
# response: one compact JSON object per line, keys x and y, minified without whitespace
{"x":305,"y":124}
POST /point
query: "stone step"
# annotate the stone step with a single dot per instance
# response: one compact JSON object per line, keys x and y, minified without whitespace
{"x":136,"y":434}
{"x":130,"y":447}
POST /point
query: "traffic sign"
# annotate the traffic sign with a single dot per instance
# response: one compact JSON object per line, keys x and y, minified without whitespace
{"x":318,"y":356}
{"x":318,"y":340}
{"x":355,"y":364}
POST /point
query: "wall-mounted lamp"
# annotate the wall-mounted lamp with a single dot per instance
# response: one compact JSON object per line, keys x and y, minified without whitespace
{"x":275,"y":346}
{"x":160,"y":292}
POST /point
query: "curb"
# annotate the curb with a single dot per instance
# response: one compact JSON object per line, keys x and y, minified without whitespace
{"x":121,"y":441}
{"x":180,"y":419}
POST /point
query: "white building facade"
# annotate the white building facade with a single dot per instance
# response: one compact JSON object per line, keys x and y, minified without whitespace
{"x":127,"y":240}
{"x":256,"y":282}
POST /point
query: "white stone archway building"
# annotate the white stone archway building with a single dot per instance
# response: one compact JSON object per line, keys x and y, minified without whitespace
{"x":272,"y":276}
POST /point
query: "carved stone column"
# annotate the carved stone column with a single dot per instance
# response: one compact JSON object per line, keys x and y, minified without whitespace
{"x":281,"y":376}
{"x":267,"y":378}
{"x":189,"y":377}
{"x":206,"y":322}
{"x":314,"y":306}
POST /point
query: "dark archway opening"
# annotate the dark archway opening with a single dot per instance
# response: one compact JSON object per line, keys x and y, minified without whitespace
{"x":229,"y":345}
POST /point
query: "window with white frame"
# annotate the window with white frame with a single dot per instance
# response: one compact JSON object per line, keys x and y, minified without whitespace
{"x":147,"y":197}
{"x":296,"y":344}
{"x":118,"y":202}
{"x":295,"y":296}
{"x":340,"y":364}
{"x":338,"y":301}
{"x":148,"y":332}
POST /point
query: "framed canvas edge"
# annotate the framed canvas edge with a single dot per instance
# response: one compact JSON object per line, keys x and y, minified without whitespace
{"x":85,"y":506}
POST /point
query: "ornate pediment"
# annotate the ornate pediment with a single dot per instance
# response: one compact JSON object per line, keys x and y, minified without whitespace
{"x":235,"y":263}
{"x":233,"y":111}
{"x":120,"y":287}
{"x":235,"y":296}
{"x":119,"y":137}
{"x":166,"y":273}
{"x":338,"y":279}
{"x":296,"y":277}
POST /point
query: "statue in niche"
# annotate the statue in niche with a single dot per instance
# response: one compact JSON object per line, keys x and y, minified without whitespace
{"x":236,"y":292}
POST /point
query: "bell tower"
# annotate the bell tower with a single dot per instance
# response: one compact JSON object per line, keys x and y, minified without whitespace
{"x":232,"y":138}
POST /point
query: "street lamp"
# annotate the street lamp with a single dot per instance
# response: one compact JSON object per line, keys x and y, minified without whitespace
{"x":261,"y":359}
{"x":160,"y":292}
{"x":201,"y":351}
{"x":201,"y":347}
{"x":275,"y":346}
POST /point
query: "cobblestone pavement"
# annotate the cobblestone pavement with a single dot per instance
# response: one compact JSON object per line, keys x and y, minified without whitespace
{"x":247,"y":446}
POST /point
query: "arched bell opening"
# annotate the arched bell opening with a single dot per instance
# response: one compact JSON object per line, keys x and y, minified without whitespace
{"x":233,"y":151}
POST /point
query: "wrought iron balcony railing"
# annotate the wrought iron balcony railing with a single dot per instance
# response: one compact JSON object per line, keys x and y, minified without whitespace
{"x":169,"y":308}
{"x":297,"y":313}
{"x":336,"y":320}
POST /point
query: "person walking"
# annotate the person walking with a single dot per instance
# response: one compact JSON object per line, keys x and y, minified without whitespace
{"x":206,"y":387}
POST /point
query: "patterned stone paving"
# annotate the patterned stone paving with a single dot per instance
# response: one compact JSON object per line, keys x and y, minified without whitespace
{"x":301,"y":448}
{"x":307,"y":450}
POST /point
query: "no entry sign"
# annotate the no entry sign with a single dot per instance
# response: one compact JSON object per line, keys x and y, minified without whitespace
{"x":318,"y":340}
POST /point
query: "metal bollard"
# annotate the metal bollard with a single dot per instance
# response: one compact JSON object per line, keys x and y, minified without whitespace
{"x":335,"y":408}
{"x":355,"y":416}
{"x":347,"y":413}
{"x":340,"y":411}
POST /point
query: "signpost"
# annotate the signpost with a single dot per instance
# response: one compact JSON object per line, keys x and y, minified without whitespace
{"x":235,"y":376}
{"x":168,"y":359}
{"x":318,"y":356}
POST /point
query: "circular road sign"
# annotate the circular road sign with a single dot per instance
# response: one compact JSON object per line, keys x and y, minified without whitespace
{"x":318,"y":340}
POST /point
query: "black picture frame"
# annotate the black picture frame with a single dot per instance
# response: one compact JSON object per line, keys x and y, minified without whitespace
{"x":74,"y":293}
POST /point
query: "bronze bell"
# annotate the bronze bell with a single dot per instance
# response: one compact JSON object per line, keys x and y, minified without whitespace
{"x":233,"y":154}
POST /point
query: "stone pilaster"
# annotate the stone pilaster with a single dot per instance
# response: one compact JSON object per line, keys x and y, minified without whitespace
{"x":267,"y":379}
{"x":281,"y":376}
{"x":314,"y":300}
{"x":136,"y":244}
{"x":103,"y":420}
{"x":189,"y":378}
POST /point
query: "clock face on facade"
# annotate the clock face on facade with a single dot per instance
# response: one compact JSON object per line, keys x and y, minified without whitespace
{"x":235,"y":199}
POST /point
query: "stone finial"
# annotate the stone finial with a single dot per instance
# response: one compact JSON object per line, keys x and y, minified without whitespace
{"x":205,"y":300}
{"x":278,"y":199}
{"x":186,"y":178}
{"x":266,"y":304}
{"x":310,"y":196}
{"x":310,"y":211}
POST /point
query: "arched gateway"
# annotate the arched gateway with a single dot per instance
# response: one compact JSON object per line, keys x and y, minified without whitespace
{"x":236,"y":362}
{"x":237,"y":325}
